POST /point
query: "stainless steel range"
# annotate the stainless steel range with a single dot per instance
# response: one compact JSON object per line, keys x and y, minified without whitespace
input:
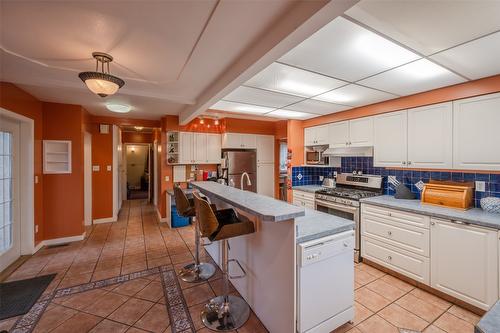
{"x":343,"y":200}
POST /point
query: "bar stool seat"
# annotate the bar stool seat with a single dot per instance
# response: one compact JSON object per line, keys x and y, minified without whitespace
{"x":225,"y":312}
{"x":197,"y":271}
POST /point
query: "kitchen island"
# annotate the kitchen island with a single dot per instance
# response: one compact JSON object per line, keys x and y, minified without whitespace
{"x":269,"y":256}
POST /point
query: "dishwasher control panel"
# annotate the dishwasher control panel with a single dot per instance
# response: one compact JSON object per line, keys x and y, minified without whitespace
{"x":324,"y":248}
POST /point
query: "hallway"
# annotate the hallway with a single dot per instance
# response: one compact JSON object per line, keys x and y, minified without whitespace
{"x":136,"y":243}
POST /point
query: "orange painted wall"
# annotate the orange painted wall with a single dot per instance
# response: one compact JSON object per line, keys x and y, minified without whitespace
{"x":137,"y":137}
{"x":295,"y":135}
{"x":102,"y":180}
{"x":63,"y":193}
{"x":17,"y":100}
{"x":464,"y":90}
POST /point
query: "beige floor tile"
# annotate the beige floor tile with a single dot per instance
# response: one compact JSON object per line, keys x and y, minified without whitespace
{"x":370,"y":299}
{"x":362,"y":277}
{"x":425,"y":310}
{"x":430,"y":298}
{"x":131,"y":287}
{"x":464,"y":314}
{"x":131,"y":311}
{"x":7,"y":324}
{"x":402,"y":318}
{"x":452,"y":324}
{"x":400,"y":284}
{"x":79,"y":323}
{"x":253,"y":325}
{"x":376,"y":324}
{"x":198,"y":294}
{"x":106,"y":304}
{"x":386,"y":290}
{"x":195,"y":312}
{"x":83,"y":300}
{"x":108,"y":326}
{"x":433,"y":329}
{"x":371,"y":270}
{"x":155,"y":320}
{"x":182,"y":258}
{"x":53,"y":318}
{"x":152,"y":292}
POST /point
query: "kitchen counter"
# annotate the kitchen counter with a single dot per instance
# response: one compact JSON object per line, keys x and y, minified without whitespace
{"x":474,"y":216}
{"x":490,"y":323}
{"x":265,"y":208}
{"x":308,"y":188}
{"x":316,"y":224}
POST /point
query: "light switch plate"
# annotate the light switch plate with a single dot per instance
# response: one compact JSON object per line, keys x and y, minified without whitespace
{"x":36,"y":179}
{"x":108,"y":167}
{"x":480,"y":186}
{"x":96,"y":168}
{"x":167,"y":178}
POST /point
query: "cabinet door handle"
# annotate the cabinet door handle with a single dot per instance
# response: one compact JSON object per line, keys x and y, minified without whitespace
{"x":390,"y":214}
{"x":389,"y":257}
{"x":389,"y":233}
{"x":433,"y":223}
{"x":350,"y":143}
{"x":404,"y":163}
{"x":409,"y":162}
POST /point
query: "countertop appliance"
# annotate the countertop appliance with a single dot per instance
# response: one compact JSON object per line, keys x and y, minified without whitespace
{"x":314,"y":155}
{"x":236,"y":163}
{"x":343,"y":200}
{"x":325,"y":283}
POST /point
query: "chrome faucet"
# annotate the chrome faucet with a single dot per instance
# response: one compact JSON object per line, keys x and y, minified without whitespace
{"x":249,"y":183}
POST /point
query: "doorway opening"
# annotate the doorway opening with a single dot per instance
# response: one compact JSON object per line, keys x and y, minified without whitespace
{"x":138,"y":171}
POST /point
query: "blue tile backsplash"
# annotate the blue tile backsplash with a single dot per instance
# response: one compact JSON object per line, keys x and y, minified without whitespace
{"x":310,"y":176}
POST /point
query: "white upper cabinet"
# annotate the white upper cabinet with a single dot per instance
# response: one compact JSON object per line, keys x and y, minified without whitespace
{"x":361,"y":132}
{"x":239,"y":141}
{"x":317,"y":135}
{"x":186,"y":148}
{"x":265,"y":149}
{"x":338,"y":134}
{"x":464,"y":262}
{"x":475,"y":133}
{"x":390,"y":139}
{"x":213,"y":148}
{"x":200,"y":147}
{"x":430,"y":138}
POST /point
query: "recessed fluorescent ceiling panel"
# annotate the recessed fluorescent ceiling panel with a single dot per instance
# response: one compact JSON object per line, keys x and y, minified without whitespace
{"x":347,"y":51}
{"x":261,"y":97}
{"x":355,"y":95}
{"x":240,"y":107}
{"x":419,"y":76}
{"x":317,"y":107}
{"x":429,"y":26}
{"x":287,"y":79}
{"x":475,"y":59}
{"x":290,"y":114}
{"x":119,"y":108}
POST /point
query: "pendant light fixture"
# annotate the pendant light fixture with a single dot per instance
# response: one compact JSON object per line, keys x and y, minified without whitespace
{"x":101,"y":82}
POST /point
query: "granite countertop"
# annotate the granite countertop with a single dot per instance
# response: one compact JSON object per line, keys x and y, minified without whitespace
{"x":266,"y":208}
{"x":490,"y":323}
{"x":475,"y":216}
{"x":308,"y":188}
{"x":316,"y":225}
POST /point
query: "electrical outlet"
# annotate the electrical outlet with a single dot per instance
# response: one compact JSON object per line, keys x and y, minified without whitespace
{"x":321,"y":178}
{"x":480,"y":186}
{"x":108,"y":167}
{"x":96,"y":168}
{"x":36,"y":228}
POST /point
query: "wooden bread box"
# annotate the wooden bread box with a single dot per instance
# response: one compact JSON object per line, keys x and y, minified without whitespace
{"x":449,"y":194}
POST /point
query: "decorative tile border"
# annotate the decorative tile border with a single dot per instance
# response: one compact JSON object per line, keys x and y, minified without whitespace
{"x":178,"y":311}
{"x":180,"y":318}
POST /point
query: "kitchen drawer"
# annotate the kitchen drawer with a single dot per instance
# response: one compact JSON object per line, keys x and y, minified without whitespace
{"x":407,"y":237}
{"x":303,"y":203}
{"x":397,"y":216}
{"x":303,"y":195}
{"x":401,"y":261}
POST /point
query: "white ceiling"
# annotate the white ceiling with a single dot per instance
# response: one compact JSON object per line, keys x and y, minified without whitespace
{"x":168,"y":52}
{"x":380,"y":50}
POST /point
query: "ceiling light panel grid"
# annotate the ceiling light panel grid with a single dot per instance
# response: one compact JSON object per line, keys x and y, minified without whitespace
{"x":257,"y":96}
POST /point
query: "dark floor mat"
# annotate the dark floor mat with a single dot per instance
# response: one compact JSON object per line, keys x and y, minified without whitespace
{"x":137,"y":194}
{"x":17,"y":297}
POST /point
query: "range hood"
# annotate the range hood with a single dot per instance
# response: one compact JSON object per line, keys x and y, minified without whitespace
{"x":349,"y":151}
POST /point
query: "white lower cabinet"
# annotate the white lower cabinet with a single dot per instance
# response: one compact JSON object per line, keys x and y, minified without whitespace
{"x":303,"y":199}
{"x":265,"y":179}
{"x":456,"y":258}
{"x":464,"y":262}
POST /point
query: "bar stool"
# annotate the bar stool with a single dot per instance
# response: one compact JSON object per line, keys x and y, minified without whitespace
{"x":197,"y":271}
{"x":226,"y":312}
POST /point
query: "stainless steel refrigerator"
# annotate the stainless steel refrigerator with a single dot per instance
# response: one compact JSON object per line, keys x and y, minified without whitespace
{"x":238,"y":162}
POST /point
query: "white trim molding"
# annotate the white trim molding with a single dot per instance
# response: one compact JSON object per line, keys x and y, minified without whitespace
{"x":57,"y":241}
{"x":158,"y":215}
{"x":105,"y":220}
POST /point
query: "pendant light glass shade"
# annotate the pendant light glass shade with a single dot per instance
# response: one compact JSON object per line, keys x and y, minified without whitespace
{"x":101,"y":83}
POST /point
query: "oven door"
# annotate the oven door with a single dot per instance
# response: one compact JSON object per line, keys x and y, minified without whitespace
{"x":346,"y":212}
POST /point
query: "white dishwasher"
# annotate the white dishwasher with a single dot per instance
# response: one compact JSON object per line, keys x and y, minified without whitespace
{"x":325,"y":283}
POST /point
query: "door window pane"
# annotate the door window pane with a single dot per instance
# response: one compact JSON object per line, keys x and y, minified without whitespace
{"x":5,"y":191}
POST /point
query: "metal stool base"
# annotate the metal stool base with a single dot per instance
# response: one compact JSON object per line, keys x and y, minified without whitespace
{"x":222,"y":318}
{"x":193,"y":273}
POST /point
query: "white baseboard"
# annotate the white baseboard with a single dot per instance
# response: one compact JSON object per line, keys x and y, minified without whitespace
{"x":105,"y":220}
{"x":161,"y":219}
{"x":57,"y":241}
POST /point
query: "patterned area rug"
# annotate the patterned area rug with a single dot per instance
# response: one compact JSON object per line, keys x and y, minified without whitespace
{"x":177,"y":308}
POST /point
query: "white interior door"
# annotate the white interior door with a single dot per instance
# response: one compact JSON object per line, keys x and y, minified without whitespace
{"x":10,"y":226}
{"x":87,"y":177}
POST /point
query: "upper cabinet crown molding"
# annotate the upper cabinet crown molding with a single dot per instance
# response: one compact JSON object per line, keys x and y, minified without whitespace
{"x":475,"y":133}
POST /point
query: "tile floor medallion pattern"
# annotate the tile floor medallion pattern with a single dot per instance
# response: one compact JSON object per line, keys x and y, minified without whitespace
{"x":121,"y":277}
